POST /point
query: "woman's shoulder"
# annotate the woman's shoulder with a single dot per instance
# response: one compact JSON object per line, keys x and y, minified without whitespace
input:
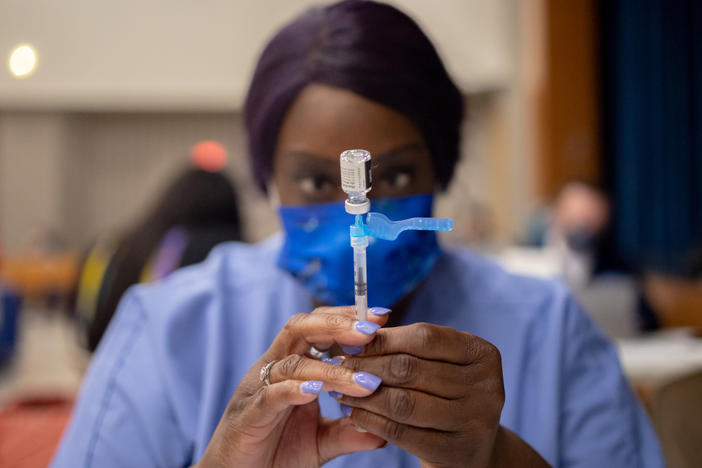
{"x":234,"y":264}
{"x":232,"y":269}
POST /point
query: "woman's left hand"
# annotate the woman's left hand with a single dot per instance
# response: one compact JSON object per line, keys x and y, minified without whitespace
{"x":441,"y":397}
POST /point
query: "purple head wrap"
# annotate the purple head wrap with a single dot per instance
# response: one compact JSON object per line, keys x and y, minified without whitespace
{"x":369,"y":48}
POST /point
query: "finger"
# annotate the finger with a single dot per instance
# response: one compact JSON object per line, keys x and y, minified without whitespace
{"x":335,"y":378}
{"x":429,"y":341}
{"x":406,"y":371}
{"x":302,"y":330}
{"x":344,"y":310}
{"x":271,"y":400}
{"x":421,"y":442}
{"x":339,"y":437}
{"x":377,"y":315}
{"x":411,"y":407}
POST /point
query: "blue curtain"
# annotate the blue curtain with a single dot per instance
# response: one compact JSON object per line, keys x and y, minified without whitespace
{"x":652,"y":127}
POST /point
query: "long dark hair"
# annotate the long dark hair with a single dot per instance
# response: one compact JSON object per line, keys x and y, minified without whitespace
{"x":369,"y":48}
{"x":202,"y":202}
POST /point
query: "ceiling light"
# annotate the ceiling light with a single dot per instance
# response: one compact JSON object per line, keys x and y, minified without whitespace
{"x":23,"y":61}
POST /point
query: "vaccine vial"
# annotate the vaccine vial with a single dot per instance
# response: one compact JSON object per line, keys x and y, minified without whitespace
{"x":356,"y":179}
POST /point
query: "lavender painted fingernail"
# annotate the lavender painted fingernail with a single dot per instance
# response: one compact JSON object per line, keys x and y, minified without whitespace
{"x":345,"y":410}
{"x":366,"y":327}
{"x":379,"y":310}
{"x":335,"y":395}
{"x":366,"y":380}
{"x":332,"y":361}
{"x":352,"y":349}
{"x":311,"y":386}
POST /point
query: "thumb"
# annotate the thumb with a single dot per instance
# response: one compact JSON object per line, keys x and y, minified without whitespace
{"x":339,"y":437}
{"x":270,"y":404}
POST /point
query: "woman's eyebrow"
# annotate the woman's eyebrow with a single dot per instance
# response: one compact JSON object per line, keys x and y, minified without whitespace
{"x":305,"y":157}
{"x":388,"y":156}
{"x":400,"y":153}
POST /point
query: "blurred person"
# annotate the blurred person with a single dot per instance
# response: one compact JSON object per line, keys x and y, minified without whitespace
{"x":576,"y":242}
{"x":220,"y":364}
{"x":574,"y":231}
{"x":580,"y":219}
{"x":196,"y":211}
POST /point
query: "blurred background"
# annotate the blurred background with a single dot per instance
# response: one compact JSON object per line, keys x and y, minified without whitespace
{"x":582,"y":159}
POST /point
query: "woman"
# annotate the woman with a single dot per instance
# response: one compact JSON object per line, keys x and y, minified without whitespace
{"x":214,"y":366}
{"x":196,"y":211}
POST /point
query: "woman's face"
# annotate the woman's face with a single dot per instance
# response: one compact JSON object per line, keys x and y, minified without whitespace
{"x":323,"y":122}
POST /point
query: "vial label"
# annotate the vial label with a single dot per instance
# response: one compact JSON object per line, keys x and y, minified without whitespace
{"x":369,"y":180}
{"x":355,"y":177}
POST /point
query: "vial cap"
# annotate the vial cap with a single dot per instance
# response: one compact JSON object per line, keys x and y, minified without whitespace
{"x":357,"y":208}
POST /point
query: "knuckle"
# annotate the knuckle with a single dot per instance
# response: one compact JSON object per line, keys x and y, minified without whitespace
{"x":488,"y":350}
{"x":352,"y":363}
{"x":425,"y":334}
{"x":402,"y":404}
{"x":289,"y":366}
{"x":334,"y":373}
{"x":239,"y":402}
{"x":260,"y":399}
{"x":402,"y":368}
{"x":232,"y":410}
{"x":363,"y":418}
{"x":295,"y":322}
{"x":379,"y":344}
{"x":336,"y":322}
{"x":472,"y":347}
{"x":494,"y":353}
{"x":394,"y":430}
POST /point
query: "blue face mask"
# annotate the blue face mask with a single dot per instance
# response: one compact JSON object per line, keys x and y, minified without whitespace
{"x":318,"y":253}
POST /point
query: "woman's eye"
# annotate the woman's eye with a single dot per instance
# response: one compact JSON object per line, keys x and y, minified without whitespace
{"x":398,"y":180}
{"x":314,"y":185}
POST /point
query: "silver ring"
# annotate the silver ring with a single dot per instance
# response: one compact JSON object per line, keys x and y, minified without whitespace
{"x":317,"y":354}
{"x":265,"y":373}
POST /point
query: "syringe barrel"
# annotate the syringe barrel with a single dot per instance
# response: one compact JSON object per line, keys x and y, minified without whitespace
{"x":360,"y":282}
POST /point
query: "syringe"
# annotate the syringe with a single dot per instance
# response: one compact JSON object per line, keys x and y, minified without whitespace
{"x":356,"y":182}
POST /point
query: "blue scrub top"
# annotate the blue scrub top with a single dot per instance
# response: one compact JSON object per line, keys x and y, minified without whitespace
{"x":175,"y":352}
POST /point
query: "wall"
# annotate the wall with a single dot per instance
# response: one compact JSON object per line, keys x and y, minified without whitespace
{"x":31,"y":159}
{"x":95,"y":173}
{"x":189,"y":55}
{"x":82,"y":175}
{"x":100,"y":166}
{"x":569,"y":111}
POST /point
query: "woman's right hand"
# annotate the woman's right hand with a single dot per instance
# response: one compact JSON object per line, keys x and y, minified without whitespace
{"x":280,"y":424}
